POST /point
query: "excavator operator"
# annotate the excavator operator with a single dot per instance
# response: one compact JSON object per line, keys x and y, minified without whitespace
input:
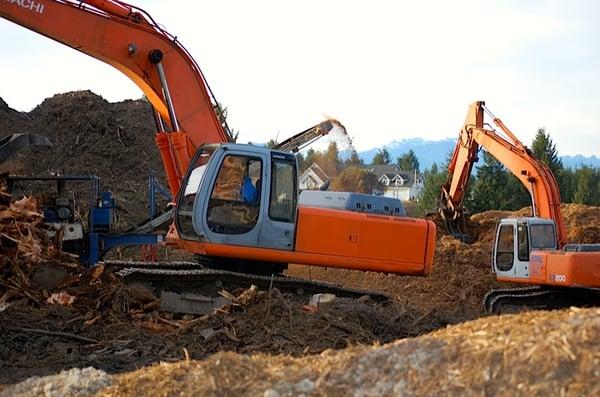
{"x":248,"y":192}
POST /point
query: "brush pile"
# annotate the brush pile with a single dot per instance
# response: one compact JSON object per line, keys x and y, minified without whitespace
{"x":24,"y":249}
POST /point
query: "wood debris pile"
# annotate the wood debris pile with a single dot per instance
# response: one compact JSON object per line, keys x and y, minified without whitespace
{"x":277,"y":323}
{"x":24,"y":248}
{"x":33,"y":269}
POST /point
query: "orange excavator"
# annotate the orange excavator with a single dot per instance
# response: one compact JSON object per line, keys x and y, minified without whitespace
{"x":237,"y":206}
{"x":530,"y":250}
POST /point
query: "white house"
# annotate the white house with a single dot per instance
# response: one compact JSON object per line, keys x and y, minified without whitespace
{"x":406,"y":185}
{"x":313,"y":178}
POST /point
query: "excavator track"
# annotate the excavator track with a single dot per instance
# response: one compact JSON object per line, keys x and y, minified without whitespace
{"x":188,"y":287}
{"x":512,"y":300}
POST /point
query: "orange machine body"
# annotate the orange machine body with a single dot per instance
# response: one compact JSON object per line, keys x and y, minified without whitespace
{"x":350,"y":240}
{"x":562,"y":269}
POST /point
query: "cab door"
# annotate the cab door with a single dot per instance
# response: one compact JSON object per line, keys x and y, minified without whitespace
{"x":234,"y":203}
{"x":278,"y":226}
{"x":511,"y":251}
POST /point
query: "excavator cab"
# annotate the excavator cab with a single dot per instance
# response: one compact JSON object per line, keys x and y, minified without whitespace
{"x":239,"y":195}
{"x":516,"y":238}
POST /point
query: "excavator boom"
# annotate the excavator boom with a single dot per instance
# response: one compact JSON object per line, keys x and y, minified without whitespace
{"x":535,"y":176}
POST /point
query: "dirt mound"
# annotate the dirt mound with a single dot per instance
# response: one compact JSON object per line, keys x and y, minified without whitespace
{"x":114,"y":141}
{"x":536,"y":353}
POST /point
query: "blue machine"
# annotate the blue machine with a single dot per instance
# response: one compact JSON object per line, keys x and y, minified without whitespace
{"x":92,"y":244}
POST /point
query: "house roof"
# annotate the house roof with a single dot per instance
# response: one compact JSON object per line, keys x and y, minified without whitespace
{"x":320,"y":173}
{"x":314,"y":167}
{"x":392,"y":171}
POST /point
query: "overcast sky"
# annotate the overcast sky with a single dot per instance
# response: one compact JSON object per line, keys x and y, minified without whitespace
{"x":386,"y":69}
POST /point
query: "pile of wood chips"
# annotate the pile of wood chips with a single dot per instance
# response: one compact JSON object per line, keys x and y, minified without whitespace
{"x":532,"y":353}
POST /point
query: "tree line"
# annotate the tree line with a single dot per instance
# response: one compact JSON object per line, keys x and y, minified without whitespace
{"x":350,"y":175}
{"x":492,"y":186}
{"x":495,"y":187}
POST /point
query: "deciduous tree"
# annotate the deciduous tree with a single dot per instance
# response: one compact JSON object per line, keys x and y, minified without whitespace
{"x":358,"y":180}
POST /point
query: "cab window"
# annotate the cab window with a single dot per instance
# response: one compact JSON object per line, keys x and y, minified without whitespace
{"x":188,"y":193}
{"x":505,"y":248}
{"x":234,"y":203}
{"x":543,"y":236}
{"x":282,"y":203}
{"x":523,"y":253}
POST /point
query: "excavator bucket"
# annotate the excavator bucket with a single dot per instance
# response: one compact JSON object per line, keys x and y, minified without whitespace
{"x":456,"y":224}
{"x":13,"y":143}
{"x":457,"y":228}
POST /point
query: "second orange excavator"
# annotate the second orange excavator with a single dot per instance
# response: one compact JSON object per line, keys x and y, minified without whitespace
{"x":531,"y":250}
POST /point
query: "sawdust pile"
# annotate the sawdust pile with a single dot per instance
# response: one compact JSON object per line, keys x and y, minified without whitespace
{"x":583,"y":223}
{"x":535,"y":353}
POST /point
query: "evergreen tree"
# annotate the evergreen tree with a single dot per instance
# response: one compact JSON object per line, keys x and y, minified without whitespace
{"x":432,"y":187}
{"x":382,"y":157}
{"x":408,"y":161}
{"x":586,"y":189}
{"x":311,"y":157}
{"x":354,"y":159}
{"x":434,"y":168}
{"x":331,"y":160}
{"x":545,"y":150}
{"x":567,"y":184}
{"x":491,"y":180}
{"x":516,"y":196}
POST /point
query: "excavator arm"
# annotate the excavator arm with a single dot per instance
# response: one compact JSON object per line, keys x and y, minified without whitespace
{"x":128,"y":39}
{"x":508,"y":150}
